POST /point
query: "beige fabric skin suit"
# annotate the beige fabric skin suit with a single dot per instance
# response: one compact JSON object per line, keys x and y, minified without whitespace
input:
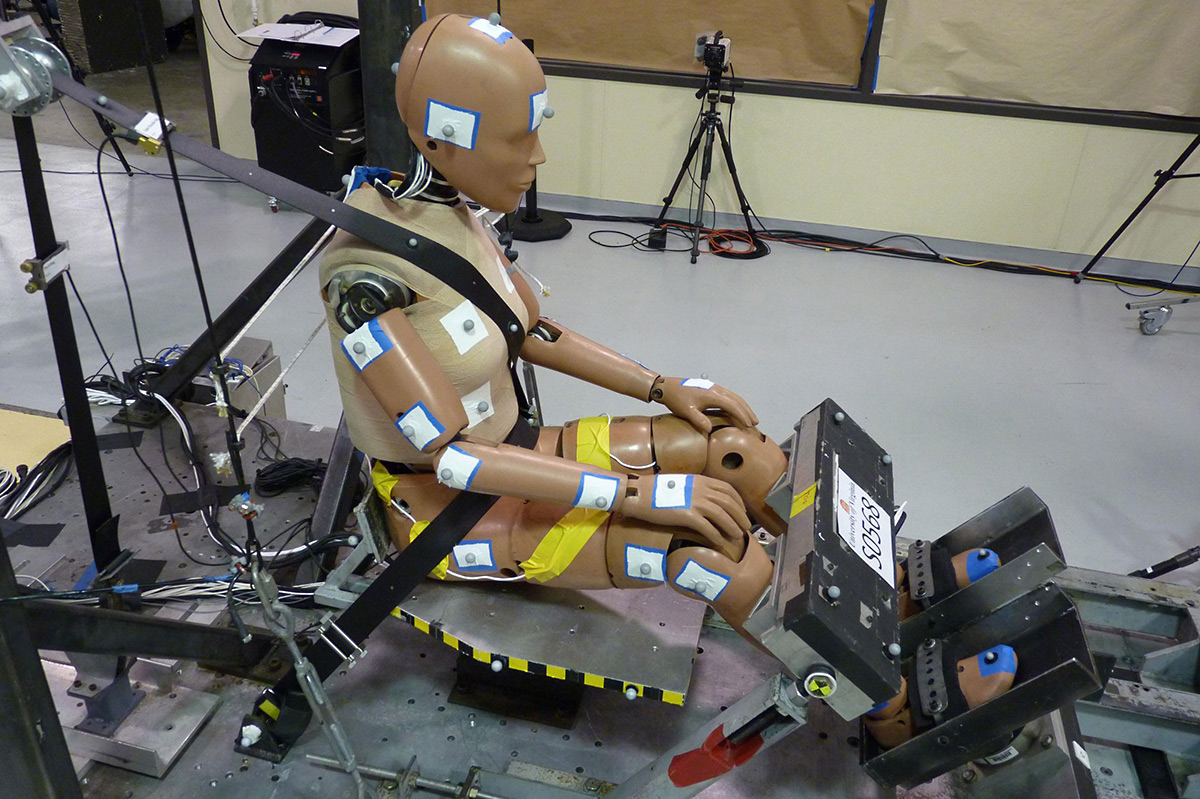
{"x":732,"y":464}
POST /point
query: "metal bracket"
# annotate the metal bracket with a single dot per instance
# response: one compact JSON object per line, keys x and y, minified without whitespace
{"x":43,"y":271}
{"x":931,"y":680}
{"x":102,"y":682}
{"x":920,"y":572}
{"x":343,"y":586}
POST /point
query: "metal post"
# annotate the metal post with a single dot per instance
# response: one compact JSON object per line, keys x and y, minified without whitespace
{"x":102,"y":527}
{"x":34,"y":756}
{"x":1161,"y":180}
{"x":385,"y":28}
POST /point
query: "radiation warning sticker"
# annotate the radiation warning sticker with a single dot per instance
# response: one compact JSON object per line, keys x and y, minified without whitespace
{"x":866,"y":528}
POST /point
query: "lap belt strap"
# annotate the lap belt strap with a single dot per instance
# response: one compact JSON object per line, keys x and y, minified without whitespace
{"x":442,"y":263}
{"x":397,"y":581}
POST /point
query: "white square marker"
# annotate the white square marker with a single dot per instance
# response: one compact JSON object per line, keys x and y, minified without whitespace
{"x":366,"y":344}
{"x":456,"y":468}
{"x":478,"y":405}
{"x":474,"y":556}
{"x":645,"y":563}
{"x":698,"y":382}
{"x":537,"y":107}
{"x":699,"y":580}
{"x":672,"y":491}
{"x":419,"y":426}
{"x":464,"y":326}
{"x":596,"y":492}
{"x":448,"y":123}
{"x":498,"y":32}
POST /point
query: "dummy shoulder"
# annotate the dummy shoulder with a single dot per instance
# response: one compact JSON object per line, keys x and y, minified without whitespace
{"x":358,"y":296}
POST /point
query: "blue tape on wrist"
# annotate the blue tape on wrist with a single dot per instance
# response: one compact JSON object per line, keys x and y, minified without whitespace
{"x":981,"y":563}
{"x":1005,"y":661}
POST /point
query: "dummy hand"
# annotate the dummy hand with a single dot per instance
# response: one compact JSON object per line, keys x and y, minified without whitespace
{"x":710,"y":507}
{"x":689,"y":397}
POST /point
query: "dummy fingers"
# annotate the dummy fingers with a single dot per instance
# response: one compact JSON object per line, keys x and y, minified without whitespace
{"x":721,"y":519}
{"x":736,"y":510}
{"x":697,"y":418}
{"x":735,"y":406}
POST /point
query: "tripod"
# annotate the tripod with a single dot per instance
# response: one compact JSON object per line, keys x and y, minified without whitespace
{"x":710,"y":125}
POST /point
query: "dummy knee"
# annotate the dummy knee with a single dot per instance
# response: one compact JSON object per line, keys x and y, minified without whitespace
{"x":732,"y":588}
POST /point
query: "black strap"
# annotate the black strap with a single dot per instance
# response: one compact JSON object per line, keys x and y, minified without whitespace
{"x":398,"y":580}
{"x":424,"y":253}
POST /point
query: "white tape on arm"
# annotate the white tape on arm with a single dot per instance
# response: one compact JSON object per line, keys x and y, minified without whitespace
{"x":419,"y":426}
{"x":366,"y":344}
{"x":596,"y":491}
{"x":672,"y":491}
{"x":457,"y":468}
{"x":698,"y":382}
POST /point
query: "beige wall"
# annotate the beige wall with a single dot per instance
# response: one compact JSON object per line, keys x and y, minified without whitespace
{"x":1045,"y":185}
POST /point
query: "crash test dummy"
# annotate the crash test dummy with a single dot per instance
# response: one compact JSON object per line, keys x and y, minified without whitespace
{"x":428,"y":387}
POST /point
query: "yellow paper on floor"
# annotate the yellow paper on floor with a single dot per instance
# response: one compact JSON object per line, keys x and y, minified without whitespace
{"x":27,"y":437}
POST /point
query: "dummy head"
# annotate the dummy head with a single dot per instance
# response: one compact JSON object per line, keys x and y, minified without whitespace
{"x":473,"y":96}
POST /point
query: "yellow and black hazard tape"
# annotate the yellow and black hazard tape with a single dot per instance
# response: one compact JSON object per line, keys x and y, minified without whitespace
{"x":434,"y":629}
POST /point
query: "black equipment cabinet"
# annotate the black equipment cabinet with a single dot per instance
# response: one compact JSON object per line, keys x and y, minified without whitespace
{"x":306,"y":107}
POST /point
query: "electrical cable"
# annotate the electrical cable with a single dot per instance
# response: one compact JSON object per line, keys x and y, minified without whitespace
{"x":137,"y":338}
{"x":88,"y":316}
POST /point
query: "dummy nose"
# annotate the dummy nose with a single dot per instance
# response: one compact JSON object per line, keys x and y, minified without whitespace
{"x":538,"y":156}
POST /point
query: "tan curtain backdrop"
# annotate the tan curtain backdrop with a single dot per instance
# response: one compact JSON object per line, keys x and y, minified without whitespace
{"x":1120,"y":55}
{"x":819,"y":41}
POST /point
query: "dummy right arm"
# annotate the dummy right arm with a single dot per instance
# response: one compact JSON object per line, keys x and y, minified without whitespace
{"x":401,"y":373}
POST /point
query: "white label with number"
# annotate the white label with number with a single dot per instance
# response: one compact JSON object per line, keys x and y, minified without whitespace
{"x":866,"y":528}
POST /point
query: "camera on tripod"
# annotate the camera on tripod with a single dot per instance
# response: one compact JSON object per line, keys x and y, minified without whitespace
{"x":713,"y":52}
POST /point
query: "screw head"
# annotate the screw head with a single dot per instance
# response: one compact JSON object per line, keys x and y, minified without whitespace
{"x":929,"y":643}
{"x":968,"y":776}
{"x":1047,"y":741}
{"x":936,"y":706}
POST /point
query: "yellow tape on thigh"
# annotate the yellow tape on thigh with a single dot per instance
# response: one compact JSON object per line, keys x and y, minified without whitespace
{"x":564,"y":541}
{"x":439,"y":571}
{"x":383,"y":480}
{"x":591,"y":442}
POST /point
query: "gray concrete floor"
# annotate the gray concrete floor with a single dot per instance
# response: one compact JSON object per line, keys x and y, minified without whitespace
{"x":978,"y":382}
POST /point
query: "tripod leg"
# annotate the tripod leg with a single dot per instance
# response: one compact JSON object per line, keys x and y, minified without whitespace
{"x":1163,"y":179}
{"x":705,"y":171}
{"x":737,"y":184}
{"x":687,"y":161}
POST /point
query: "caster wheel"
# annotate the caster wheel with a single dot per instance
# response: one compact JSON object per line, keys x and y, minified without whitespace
{"x":1149,"y":327}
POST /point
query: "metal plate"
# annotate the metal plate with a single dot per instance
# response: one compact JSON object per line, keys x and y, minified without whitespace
{"x":656,"y":630}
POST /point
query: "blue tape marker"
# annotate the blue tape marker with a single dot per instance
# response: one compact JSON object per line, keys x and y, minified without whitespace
{"x":126,"y":589}
{"x":981,"y":563}
{"x":1005,"y":661}
{"x":85,"y":582}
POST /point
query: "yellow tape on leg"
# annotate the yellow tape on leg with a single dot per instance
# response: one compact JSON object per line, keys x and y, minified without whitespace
{"x":591,"y":442}
{"x":383,"y":481}
{"x":565,"y":540}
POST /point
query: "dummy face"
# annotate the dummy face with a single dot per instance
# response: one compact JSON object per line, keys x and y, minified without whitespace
{"x":472,"y":98}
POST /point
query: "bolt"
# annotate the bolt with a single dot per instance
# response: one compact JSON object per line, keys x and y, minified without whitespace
{"x":592,"y":784}
{"x":1047,"y":741}
{"x":31,"y":288}
{"x":929,"y":643}
{"x":839,"y":417}
{"x":936,"y":706}
{"x":886,"y":460}
{"x":968,"y":776}
{"x":833,"y":592}
{"x":27,"y":267}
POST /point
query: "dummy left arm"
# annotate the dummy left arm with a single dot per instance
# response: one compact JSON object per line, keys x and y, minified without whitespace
{"x":557,"y":347}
